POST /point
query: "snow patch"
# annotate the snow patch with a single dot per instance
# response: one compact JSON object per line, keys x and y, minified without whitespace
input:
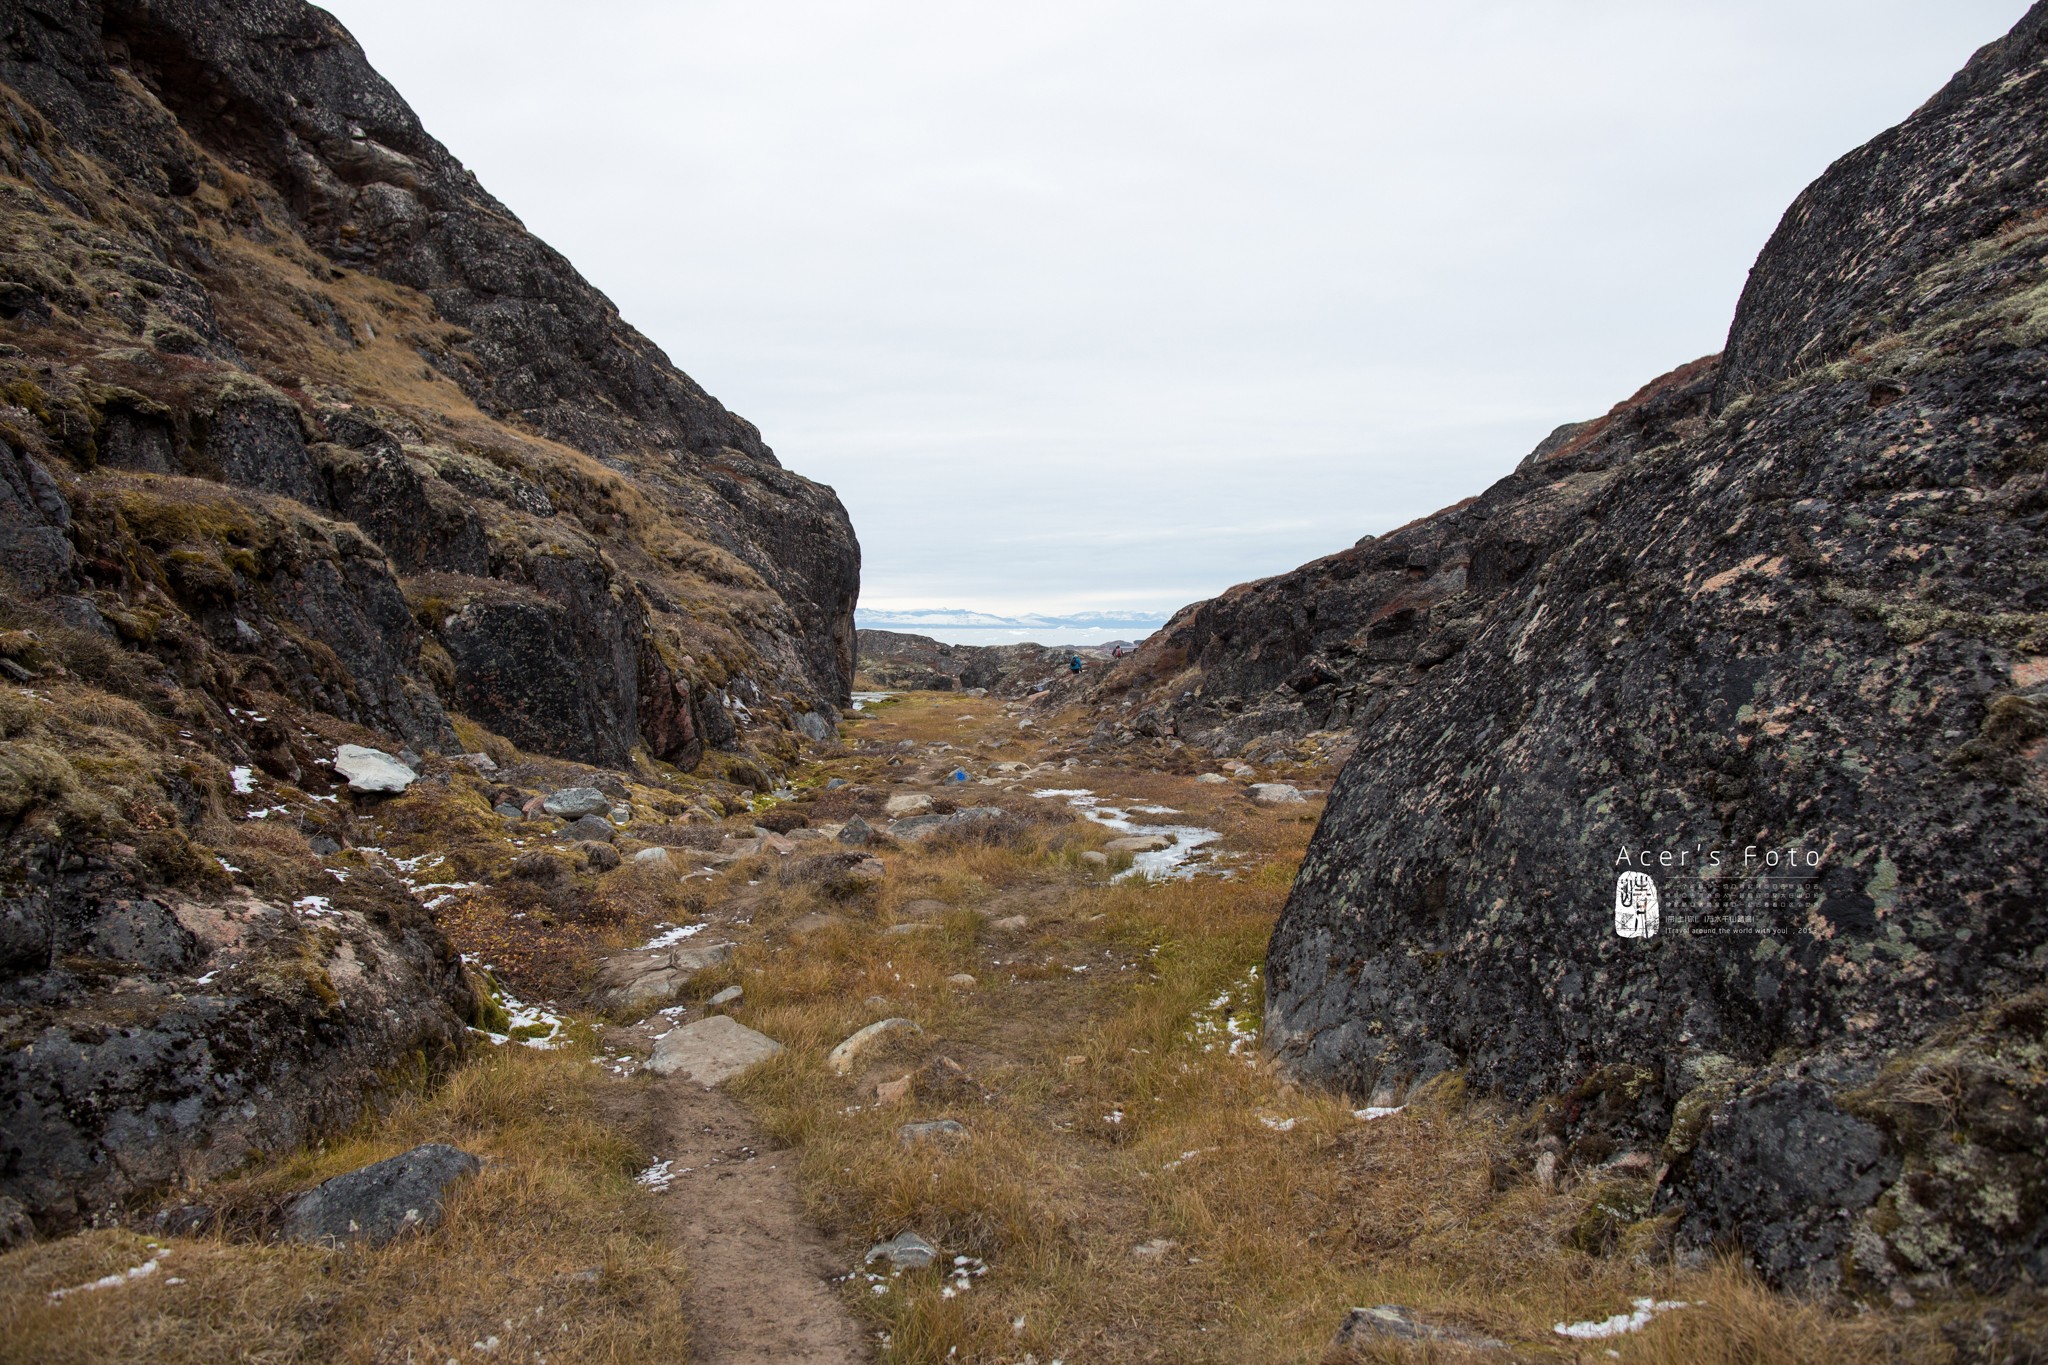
{"x":1620,"y":1323}
{"x":128,"y":1276}
{"x":669,"y":935}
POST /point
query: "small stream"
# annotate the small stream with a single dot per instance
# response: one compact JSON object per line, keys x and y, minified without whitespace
{"x":862,"y":700}
{"x":1176,"y":860}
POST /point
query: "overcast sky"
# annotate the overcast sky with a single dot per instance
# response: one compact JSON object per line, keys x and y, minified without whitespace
{"x":1114,"y":304}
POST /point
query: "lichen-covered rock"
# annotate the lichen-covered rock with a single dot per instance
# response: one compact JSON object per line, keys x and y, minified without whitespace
{"x":304,"y":442}
{"x":1785,"y":1175}
{"x":381,"y":1201}
{"x":1709,"y":750}
{"x":152,"y":1037}
{"x":614,"y":522}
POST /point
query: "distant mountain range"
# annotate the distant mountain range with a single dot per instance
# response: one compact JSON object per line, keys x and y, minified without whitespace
{"x":957,"y":618}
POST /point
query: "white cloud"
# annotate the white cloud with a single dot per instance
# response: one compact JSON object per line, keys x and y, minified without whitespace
{"x":1102,"y":303}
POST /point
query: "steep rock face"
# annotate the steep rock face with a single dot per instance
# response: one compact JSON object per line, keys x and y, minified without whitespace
{"x":305,"y":441}
{"x":262,"y":271}
{"x":1336,"y":642}
{"x":1783,"y":657}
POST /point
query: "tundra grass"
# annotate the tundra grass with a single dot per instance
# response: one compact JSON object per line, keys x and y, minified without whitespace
{"x":1137,"y":1182}
{"x":548,"y":1253}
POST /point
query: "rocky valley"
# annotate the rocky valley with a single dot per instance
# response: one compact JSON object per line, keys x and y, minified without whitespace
{"x":456,"y":904}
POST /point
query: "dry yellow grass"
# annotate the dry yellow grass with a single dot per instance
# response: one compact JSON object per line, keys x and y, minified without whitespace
{"x":1114,"y":1113}
{"x":548,"y":1250}
{"x":1116,"y":1104}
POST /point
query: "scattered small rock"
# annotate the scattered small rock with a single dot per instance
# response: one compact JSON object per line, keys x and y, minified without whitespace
{"x":909,"y":803}
{"x":1388,"y":1322}
{"x":380,"y":1201}
{"x":964,"y":980}
{"x":893,"y":1092}
{"x":372,"y":770}
{"x":857,"y":833}
{"x":654,"y":853}
{"x":934,"y":1130}
{"x":914,"y":927}
{"x":1094,"y":858}
{"x":842,"y":1058}
{"x":573,"y":803}
{"x":1158,"y":1249}
{"x":712,"y":1050}
{"x":905,"y":1251}
{"x":1276,"y":794}
{"x":508,"y":812}
{"x":483,"y":763}
{"x":731,"y":995}
{"x":923,"y":908}
{"x":1211,"y":779}
{"x":587,"y":829}
{"x":648,"y":980}
{"x":1011,"y":924}
{"x":1139,"y":843}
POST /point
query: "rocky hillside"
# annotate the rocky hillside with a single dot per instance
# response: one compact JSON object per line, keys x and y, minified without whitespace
{"x":1701,"y":789}
{"x":305,"y":441}
{"x":895,"y":660}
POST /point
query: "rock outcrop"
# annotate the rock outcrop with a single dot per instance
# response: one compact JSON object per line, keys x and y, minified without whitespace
{"x":308,"y":448}
{"x":895,"y":660}
{"x":1701,"y":781}
{"x":238,"y":265}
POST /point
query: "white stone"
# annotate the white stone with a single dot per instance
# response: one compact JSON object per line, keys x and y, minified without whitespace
{"x":1212,"y":778}
{"x":910,"y":803}
{"x":654,"y":854}
{"x":571,"y":803}
{"x":1276,"y":794}
{"x":711,"y":1050}
{"x":372,"y":770}
{"x":1139,"y":843}
{"x":842,"y":1058}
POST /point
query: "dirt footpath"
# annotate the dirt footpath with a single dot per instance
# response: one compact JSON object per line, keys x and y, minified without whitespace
{"x":759,"y":1274}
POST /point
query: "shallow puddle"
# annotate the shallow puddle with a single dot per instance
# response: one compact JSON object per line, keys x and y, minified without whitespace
{"x":1160,"y":864}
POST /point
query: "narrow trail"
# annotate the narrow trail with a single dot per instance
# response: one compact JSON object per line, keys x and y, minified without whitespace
{"x":759,"y":1273}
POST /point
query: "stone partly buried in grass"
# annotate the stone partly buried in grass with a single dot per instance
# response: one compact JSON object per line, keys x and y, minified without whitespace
{"x":905,"y":1251}
{"x":633,"y":982}
{"x":711,"y":1050}
{"x":919,"y":827}
{"x":380,"y":1201}
{"x":843,"y":1058}
{"x":1363,"y":1328}
{"x":573,"y":803}
{"x":372,"y":770}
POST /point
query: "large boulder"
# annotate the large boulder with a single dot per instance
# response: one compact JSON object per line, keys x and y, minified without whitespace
{"x":381,"y":1201}
{"x":372,"y":770}
{"x":711,"y":1051}
{"x":1700,"y":773}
